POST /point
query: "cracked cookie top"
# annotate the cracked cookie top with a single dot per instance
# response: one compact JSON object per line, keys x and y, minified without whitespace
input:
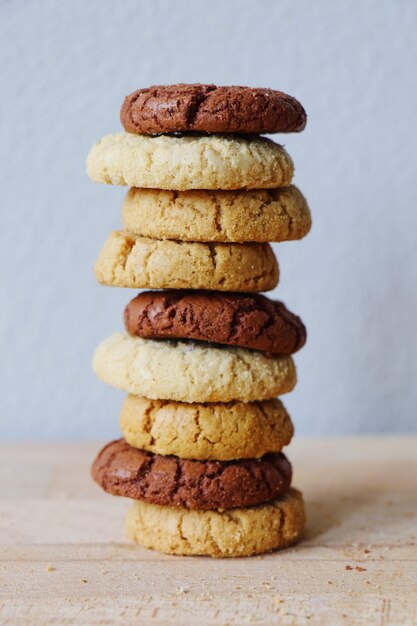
{"x":127,"y":260}
{"x":233,"y":533}
{"x":211,"y":109}
{"x":257,"y":215}
{"x":167,"y":480}
{"x":205,"y":431}
{"x":246,"y":320}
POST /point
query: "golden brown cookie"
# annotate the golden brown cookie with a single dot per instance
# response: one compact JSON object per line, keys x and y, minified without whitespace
{"x":127,"y":260}
{"x":235,"y":430}
{"x":231,"y":533}
{"x":189,"y":162}
{"x":280,"y":214}
{"x":187,"y":372}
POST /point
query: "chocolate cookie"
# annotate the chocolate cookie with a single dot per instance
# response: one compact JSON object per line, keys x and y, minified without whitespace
{"x":211,"y":109}
{"x":245,"y":320}
{"x":171,"y":481}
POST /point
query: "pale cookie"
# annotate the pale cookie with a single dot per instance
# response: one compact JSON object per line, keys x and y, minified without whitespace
{"x":180,"y":370}
{"x":189,"y":162}
{"x":223,"y":432}
{"x":127,"y":260}
{"x":280,"y":214}
{"x":231,"y":533}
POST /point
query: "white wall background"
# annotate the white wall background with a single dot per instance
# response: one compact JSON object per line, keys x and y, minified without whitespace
{"x":65,"y":69}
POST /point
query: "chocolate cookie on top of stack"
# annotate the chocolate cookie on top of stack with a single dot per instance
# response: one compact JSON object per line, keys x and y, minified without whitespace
{"x":204,"y":360}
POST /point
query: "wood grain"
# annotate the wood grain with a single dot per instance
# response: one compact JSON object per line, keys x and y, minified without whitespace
{"x":64,"y":559}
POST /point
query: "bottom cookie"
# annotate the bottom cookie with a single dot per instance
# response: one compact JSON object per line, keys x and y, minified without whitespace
{"x":231,"y":533}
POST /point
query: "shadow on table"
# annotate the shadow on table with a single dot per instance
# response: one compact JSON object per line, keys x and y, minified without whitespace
{"x":349,"y":516}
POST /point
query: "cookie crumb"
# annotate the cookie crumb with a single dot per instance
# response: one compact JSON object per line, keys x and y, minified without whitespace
{"x":50,"y":568}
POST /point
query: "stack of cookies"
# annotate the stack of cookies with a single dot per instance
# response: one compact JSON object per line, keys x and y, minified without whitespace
{"x":204,"y":355}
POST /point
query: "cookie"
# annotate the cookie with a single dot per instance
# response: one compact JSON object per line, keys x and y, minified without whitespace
{"x":127,"y":260}
{"x":203,"y":485}
{"x":232,"y":533}
{"x":189,"y":162}
{"x":235,"y":430}
{"x":264,"y":215}
{"x":248,"y":321}
{"x":187,"y":372}
{"x":211,"y":109}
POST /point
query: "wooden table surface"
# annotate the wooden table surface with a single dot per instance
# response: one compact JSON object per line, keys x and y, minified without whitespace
{"x":64,"y":559}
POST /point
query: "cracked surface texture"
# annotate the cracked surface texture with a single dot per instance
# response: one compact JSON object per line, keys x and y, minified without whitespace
{"x":189,"y":162}
{"x":280,"y":214}
{"x":127,"y":260}
{"x":223,"y":432}
{"x":244,"y":320}
{"x":232,"y":533}
{"x":187,"y":372}
{"x":211,"y":109}
{"x":167,"y":480}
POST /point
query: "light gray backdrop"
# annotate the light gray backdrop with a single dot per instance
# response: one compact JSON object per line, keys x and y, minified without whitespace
{"x":65,"y":69}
